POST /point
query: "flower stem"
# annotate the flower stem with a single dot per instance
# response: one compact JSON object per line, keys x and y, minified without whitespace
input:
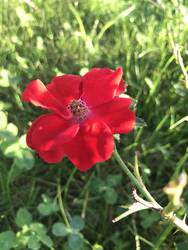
{"x":61,"y":205}
{"x":134,"y":180}
{"x":172,"y":218}
{"x":162,"y":237}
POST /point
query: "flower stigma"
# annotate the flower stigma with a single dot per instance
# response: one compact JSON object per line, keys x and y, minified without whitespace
{"x":79,"y":109}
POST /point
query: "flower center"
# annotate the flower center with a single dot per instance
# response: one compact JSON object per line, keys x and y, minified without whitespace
{"x":78,"y":109}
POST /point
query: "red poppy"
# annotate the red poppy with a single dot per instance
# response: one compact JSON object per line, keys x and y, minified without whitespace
{"x":85,"y":112}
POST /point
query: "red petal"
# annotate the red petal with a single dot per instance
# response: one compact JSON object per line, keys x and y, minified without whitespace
{"x":52,"y":156}
{"x":116,"y":114}
{"x":65,"y":88}
{"x":121,"y":89}
{"x":93,"y":143}
{"x":100,"y":85}
{"x":49,"y":132}
{"x":37,"y":93}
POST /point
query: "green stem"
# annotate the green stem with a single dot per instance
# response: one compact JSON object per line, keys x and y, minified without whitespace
{"x":62,"y":206}
{"x":165,"y":233}
{"x":172,"y":218}
{"x":134,"y":180}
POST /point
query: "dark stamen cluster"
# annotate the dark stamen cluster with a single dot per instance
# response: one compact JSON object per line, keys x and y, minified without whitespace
{"x":79,"y":109}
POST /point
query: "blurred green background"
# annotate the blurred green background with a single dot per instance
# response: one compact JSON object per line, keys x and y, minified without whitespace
{"x":40,"y":39}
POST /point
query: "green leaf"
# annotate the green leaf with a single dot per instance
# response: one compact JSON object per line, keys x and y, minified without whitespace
{"x":33,"y":242}
{"x":97,"y":247}
{"x":25,"y":18}
{"x":22,"y":239}
{"x":24,"y":159}
{"x":180,"y":89}
{"x":4,"y":78}
{"x":40,"y":231}
{"x":10,"y":132}
{"x":60,"y":229}
{"x":77,"y":223}
{"x":11,"y":127}
{"x":46,"y":240}
{"x":3,"y":119}
{"x":75,"y":241}
{"x":97,"y":185}
{"x":23,"y":217}
{"x":140,"y":123}
{"x":48,"y":206}
{"x":38,"y":228}
{"x":182,"y":245}
{"x":113,"y":180}
{"x":5,"y":105}
{"x":117,"y":137}
{"x":110,"y":196}
{"x":66,"y":246}
{"x":148,"y":218}
{"x":185,"y":199}
{"x":44,"y":209}
{"x":7,"y":135}
{"x":22,"y":141}
{"x":10,"y":147}
{"x":7,"y":240}
{"x":83,"y":71}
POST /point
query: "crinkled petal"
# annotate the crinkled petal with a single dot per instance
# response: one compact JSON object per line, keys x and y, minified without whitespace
{"x":93,"y":143}
{"x":116,"y":114}
{"x":65,"y":88}
{"x":37,"y":93}
{"x":52,"y":156}
{"x":101,"y":85}
{"x":50,"y":131}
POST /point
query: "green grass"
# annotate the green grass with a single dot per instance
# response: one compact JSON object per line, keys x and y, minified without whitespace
{"x":40,"y":39}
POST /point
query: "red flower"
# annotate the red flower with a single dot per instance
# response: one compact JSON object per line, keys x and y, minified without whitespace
{"x":85,"y":113}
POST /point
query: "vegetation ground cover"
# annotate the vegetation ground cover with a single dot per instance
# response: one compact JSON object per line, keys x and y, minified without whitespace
{"x":40,"y":39}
